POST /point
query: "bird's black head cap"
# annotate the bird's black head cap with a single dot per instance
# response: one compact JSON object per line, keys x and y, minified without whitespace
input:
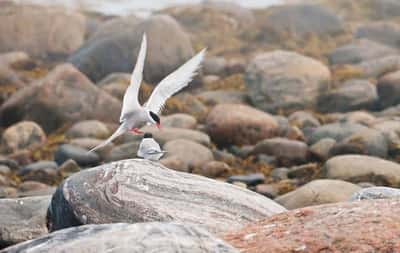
{"x":148,"y":135}
{"x":155,"y":117}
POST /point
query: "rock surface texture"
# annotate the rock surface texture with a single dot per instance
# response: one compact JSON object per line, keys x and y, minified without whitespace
{"x":143,"y":191}
{"x":124,"y":238}
{"x":364,"y":226}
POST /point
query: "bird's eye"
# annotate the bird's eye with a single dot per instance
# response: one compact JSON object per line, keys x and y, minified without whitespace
{"x":154,"y":117}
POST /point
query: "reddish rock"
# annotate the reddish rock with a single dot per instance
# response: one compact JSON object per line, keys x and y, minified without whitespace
{"x":239,"y":124}
{"x":365,"y":226}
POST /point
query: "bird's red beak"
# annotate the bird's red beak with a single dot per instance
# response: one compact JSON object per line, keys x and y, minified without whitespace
{"x":158,"y":126}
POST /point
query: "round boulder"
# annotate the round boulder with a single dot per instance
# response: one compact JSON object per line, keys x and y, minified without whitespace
{"x":286,"y":80}
{"x":168,"y":47}
{"x":239,"y":124}
{"x":22,"y":135}
{"x":88,"y":129}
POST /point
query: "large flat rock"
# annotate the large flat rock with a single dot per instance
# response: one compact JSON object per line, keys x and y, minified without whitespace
{"x":362,"y":227}
{"x":143,"y":191}
{"x":124,"y":238}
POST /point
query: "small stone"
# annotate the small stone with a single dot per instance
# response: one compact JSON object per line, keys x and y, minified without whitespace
{"x":322,"y":148}
{"x":89,"y":143}
{"x":268,"y":190}
{"x":68,"y":167}
{"x":318,"y":192}
{"x":42,"y":171}
{"x":80,"y":155}
{"x":303,"y":171}
{"x":32,"y":186}
{"x":303,"y":119}
{"x":250,"y":179}
{"x":22,"y":135}
{"x":4,"y":170}
{"x":279,"y":174}
{"x":213,"y":169}
{"x":8,"y":192}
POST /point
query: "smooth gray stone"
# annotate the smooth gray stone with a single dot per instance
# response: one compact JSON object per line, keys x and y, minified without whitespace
{"x":22,"y":219}
{"x":126,"y":238}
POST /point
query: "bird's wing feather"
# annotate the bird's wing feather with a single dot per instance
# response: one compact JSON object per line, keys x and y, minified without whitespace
{"x":174,"y":82}
{"x":130,"y":101}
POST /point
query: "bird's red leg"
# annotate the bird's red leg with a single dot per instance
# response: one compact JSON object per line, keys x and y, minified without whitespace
{"x":136,"y":131}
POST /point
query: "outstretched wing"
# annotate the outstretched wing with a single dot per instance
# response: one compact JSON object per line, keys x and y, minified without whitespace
{"x":174,"y":82}
{"x":130,"y":101}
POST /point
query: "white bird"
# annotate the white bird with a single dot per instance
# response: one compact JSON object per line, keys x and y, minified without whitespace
{"x":149,"y":149}
{"x":133,"y":115}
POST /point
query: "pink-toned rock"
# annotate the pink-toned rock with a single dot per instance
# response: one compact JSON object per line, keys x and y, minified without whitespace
{"x":365,"y":226}
{"x":239,"y":124}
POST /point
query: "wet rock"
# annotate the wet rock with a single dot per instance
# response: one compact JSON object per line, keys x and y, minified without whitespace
{"x":276,"y":82}
{"x":81,"y":156}
{"x":379,"y":192}
{"x":337,"y":131}
{"x":359,"y":51}
{"x":168,"y":196}
{"x":65,"y":95}
{"x":122,"y":237}
{"x":192,"y":154}
{"x":389,"y":89}
{"x":125,"y":151}
{"x":361,"y":168}
{"x":41,"y":171}
{"x":367,"y":142}
{"x":321,"y":191}
{"x":303,"y":119}
{"x":223,"y":97}
{"x":117,"y":51}
{"x":41,"y":31}
{"x":239,"y":124}
{"x":387,"y":33}
{"x":322,"y":148}
{"x":287,"y":152}
{"x":22,"y":135}
{"x":303,"y":19}
{"x":249,"y":180}
{"x":213,"y":169}
{"x":22,"y":219}
{"x":88,"y":129}
{"x":339,"y":227}
{"x":179,"y":120}
{"x":352,"y":95}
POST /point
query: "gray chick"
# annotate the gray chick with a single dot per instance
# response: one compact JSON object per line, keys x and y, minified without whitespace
{"x":149,"y":149}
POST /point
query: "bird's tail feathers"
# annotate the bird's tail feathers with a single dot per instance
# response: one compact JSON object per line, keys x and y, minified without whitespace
{"x":121,"y":129}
